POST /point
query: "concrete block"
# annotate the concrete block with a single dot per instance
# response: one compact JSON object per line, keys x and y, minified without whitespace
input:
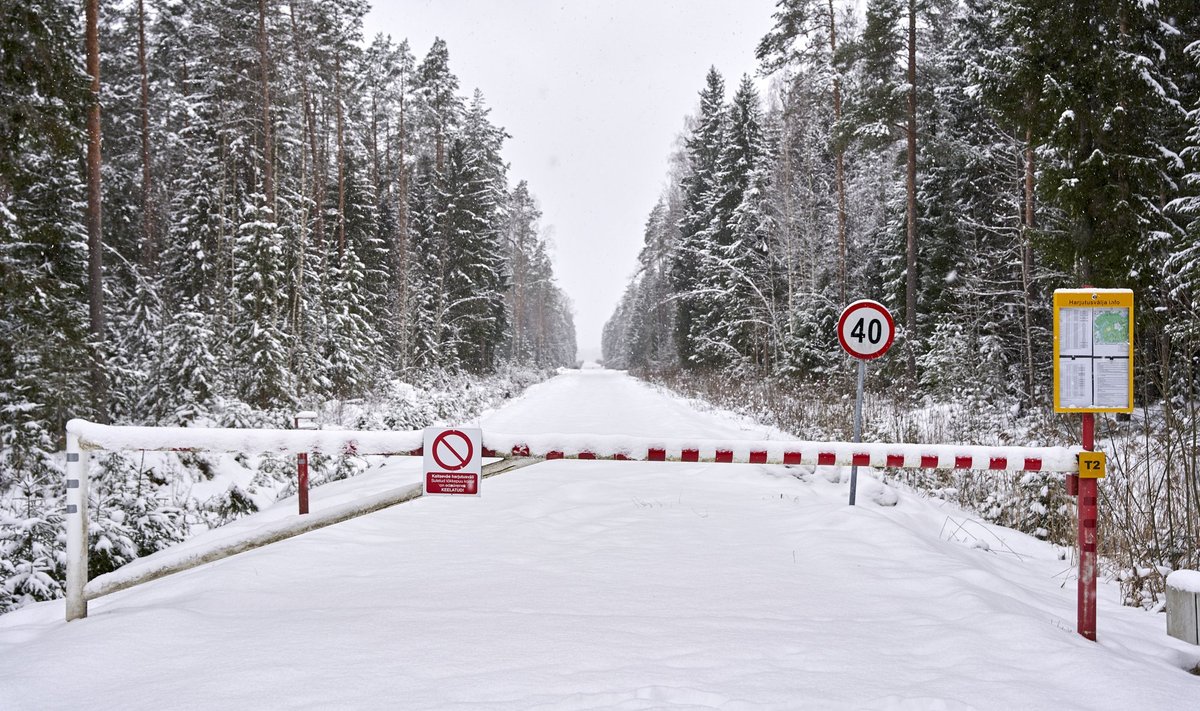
{"x":1183,"y":605}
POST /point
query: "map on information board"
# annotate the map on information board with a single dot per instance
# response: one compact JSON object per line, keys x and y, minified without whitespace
{"x":1093,"y":350}
{"x":1110,"y":327}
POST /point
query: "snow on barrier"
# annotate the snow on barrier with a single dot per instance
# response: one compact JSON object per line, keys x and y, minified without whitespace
{"x":84,"y":437}
{"x":217,"y":439}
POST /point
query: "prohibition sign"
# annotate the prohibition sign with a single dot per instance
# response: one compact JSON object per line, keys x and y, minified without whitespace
{"x":452,"y":450}
{"x":866,"y":329}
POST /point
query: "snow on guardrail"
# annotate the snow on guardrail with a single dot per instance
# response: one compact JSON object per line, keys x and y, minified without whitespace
{"x":93,"y":436}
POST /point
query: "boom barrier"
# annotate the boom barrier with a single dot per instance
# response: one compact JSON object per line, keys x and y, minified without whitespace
{"x":889,"y":455}
{"x":85,"y":437}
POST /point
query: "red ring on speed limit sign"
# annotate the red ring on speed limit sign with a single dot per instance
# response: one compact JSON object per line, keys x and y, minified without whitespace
{"x":859,"y":336}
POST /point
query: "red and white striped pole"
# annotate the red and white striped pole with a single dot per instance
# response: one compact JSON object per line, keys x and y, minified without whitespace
{"x":1086,"y":624}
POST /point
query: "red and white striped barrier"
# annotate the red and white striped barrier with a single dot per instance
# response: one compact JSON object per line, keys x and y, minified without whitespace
{"x":893,"y":455}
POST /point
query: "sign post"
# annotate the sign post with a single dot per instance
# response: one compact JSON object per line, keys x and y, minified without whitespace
{"x":866,"y":331}
{"x":453,"y":461}
{"x":1093,"y":372}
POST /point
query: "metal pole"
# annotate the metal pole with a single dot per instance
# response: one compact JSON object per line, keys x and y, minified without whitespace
{"x":858,"y":399}
{"x":1086,"y":624}
{"x":77,"y":528}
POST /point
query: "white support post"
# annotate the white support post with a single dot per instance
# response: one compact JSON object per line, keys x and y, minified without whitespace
{"x":77,"y":527}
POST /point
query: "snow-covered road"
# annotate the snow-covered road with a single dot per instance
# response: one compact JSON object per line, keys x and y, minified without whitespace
{"x":607,"y":402}
{"x":610,"y":585}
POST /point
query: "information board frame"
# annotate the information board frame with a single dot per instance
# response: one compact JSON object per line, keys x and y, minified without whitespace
{"x":1078,"y":362}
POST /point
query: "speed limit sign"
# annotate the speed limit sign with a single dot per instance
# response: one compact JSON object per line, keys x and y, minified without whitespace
{"x":866,"y":329}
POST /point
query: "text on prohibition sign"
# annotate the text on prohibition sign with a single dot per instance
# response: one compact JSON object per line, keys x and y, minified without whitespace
{"x":453,"y":443}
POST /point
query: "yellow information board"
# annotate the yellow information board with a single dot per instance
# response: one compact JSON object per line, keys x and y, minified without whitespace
{"x":1093,"y":350}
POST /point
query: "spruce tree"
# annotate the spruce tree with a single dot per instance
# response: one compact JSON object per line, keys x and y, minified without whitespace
{"x":696,"y":300}
{"x":259,"y":344}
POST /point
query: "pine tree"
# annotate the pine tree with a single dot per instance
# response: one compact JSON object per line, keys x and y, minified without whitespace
{"x":746,"y":262}
{"x":479,"y":276}
{"x":704,"y":147}
{"x":521,"y":236}
{"x":1095,"y":114}
{"x":805,"y":37}
{"x":185,"y":378}
{"x":44,"y":344}
{"x":259,"y":345}
{"x":32,"y":560}
{"x":439,"y":108}
{"x":1184,"y":292}
{"x":427,"y":299}
{"x":354,"y":350}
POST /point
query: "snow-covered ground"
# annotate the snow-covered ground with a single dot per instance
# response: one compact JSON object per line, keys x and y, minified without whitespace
{"x":606,"y":402}
{"x":610,"y":585}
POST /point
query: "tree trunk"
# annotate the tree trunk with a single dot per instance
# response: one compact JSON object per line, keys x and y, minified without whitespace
{"x":520,"y":277}
{"x":374,"y":140}
{"x":910,"y":287}
{"x":839,"y":158}
{"x":402,"y":208}
{"x":439,"y":150}
{"x":307,"y":166}
{"x":310,"y":120}
{"x":1027,"y":266}
{"x":93,"y":218}
{"x":788,"y":218}
{"x":149,"y":242}
{"x":341,"y":156}
{"x":264,"y":66}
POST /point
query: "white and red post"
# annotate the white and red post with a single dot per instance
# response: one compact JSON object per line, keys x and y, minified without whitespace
{"x":1086,"y":624}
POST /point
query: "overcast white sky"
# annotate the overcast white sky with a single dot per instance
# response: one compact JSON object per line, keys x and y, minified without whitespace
{"x":593,"y":93}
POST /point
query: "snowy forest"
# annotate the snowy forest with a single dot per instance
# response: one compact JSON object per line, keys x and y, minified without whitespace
{"x":957,"y":161}
{"x":287,"y":214}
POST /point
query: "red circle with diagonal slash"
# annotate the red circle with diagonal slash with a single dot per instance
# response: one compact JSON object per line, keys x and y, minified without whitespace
{"x":460,"y":450}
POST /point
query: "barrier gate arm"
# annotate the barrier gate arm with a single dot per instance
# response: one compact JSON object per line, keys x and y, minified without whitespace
{"x":878,"y":454}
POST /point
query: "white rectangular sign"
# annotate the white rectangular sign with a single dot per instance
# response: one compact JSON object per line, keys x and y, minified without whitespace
{"x":453,"y":461}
